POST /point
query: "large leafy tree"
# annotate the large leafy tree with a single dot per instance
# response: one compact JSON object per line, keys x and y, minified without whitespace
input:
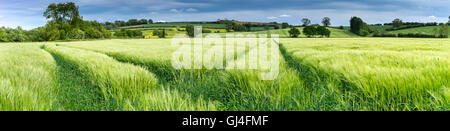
{"x":306,"y":21}
{"x":310,"y":31}
{"x":64,"y":13}
{"x":397,"y":23}
{"x":323,"y":31}
{"x":294,"y":32}
{"x":358,"y":26}
{"x":442,"y":31}
{"x":190,"y":30}
{"x":150,"y":21}
{"x":326,"y":21}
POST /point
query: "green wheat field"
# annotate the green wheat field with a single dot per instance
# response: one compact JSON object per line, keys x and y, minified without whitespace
{"x":316,"y":74}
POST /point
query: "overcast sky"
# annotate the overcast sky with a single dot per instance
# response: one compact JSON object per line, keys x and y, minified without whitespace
{"x":28,"y":13}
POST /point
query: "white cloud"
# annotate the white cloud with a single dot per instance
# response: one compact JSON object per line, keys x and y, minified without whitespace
{"x":175,"y":10}
{"x":1,"y":16}
{"x":271,"y":17}
{"x":284,"y":15}
{"x":191,"y":10}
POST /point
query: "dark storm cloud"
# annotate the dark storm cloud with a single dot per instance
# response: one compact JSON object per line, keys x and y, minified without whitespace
{"x":29,"y":13}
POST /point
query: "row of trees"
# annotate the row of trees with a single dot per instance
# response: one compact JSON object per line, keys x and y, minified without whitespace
{"x":54,"y":31}
{"x":130,"y":22}
{"x":310,"y":31}
{"x":231,"y":25}
{"x":64,"y":23}
{"x":234,"y":25}
{"x":123,"y":33}
{"x":326,"y":21}
{"x":13,"y":35}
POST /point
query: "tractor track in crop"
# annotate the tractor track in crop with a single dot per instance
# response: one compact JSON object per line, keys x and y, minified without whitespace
{"x":75,"y":92}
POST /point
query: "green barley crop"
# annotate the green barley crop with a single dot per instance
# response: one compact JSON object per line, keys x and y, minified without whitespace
{"x":126,"y":86}
{"x":234,"y":89}
{"x":314,"y":74}
{"x":27,"y":78}
{"x":381,"y":74}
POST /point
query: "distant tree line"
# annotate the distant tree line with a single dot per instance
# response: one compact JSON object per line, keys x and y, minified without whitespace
{"x":13,"y":35}
{"x":64,"y":23}
{"x":232,"y":25}
{"x":190,"y":30}
{"x":397,"y":24}
{"x":130,"y":22}
{"x":413,"y":23}
{"x":407,"y":35}
{"x":124,"y":33}
{"x":310,"y":31}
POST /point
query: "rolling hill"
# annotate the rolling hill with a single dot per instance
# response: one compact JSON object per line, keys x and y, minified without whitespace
{"x":283,"y":33}
{"x":423,"y":30}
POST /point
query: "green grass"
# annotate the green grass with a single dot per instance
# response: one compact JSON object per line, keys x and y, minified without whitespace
{"x":382,"y":74}
{"x":125,"y":86}
{"x":27,"y":78}
{"x":424,"y":30}
{"x":380,"y":28}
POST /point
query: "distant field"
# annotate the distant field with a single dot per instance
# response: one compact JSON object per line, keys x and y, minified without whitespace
{"x":374,"y":27}
{"x":380,"y":28}
{"x":182,"y":24}
{"x":283,"y":33}
{"x":423,"y":30}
